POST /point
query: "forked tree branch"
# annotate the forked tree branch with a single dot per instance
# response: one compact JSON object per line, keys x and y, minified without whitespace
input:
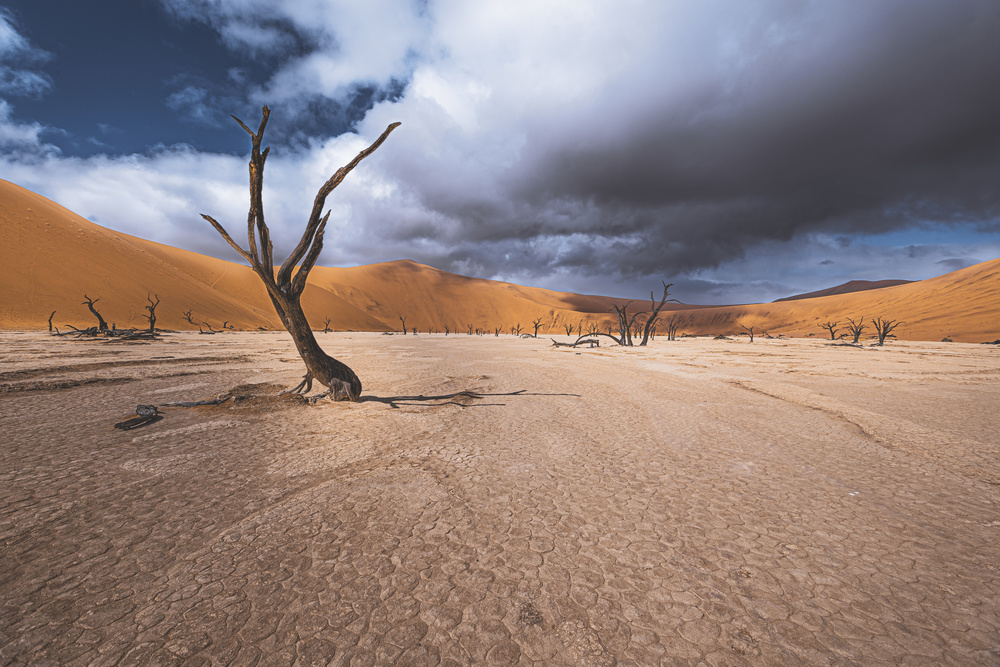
{"x":316,"y":218}
{"x":311,"y":244}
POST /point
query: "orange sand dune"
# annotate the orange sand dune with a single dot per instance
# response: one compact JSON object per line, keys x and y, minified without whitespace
{"x":52,"y":257}
{"x":963,"y":305}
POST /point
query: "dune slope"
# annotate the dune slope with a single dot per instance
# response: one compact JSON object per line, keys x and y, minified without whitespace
{"x":53,"y":257}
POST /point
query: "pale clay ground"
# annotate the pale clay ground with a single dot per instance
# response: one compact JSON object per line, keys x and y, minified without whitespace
{"x":697,"y":501}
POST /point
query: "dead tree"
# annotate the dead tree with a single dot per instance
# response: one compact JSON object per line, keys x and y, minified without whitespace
{"x":569,"y":329}
{"x":50,"y":320}
{"x":856,"y":328}
{"x":832,"y":328}
{"x":101,"y":324}
{"x":470,"y":329}
{"x":188,"y":317}
{"x":285,"y":288}
{"x":151,"y":308}
{"x":672,"y":325}
{"x":496,"y":332}
{"x":536,"y":323}
{"x":625,"y":325}
{"x":447,"y":330}
{"x":654,"y":311}
{"x":749,"y":328}
{"x":403,"y":320}
{"x":884,"y":327}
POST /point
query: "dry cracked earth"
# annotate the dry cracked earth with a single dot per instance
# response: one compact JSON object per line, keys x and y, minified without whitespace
{"x":694,"y":502}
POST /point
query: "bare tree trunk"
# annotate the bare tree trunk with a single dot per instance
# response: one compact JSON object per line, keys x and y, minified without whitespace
{"x":884,"y":327}
{"x":654,"y":312}
{"x":856,"y":328}
{"x":403,"y":320}
{"x":152,"y":312}
{"x":50,"y":320}
{"x":285,"y":288}
{"x":101,"y":324}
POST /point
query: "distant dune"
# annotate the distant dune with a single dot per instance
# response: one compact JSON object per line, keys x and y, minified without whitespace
{"x":52,"y":257}
{"x":846,"y":288}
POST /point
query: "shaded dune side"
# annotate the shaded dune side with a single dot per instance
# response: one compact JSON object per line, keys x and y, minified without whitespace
{"x":846,"y":288}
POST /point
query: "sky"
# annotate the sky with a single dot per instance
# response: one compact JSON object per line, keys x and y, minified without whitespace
{"x":743,"y":151}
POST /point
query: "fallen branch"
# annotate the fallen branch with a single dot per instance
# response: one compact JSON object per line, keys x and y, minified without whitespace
{"x":591,"y":342}
{"x":145,"y":414}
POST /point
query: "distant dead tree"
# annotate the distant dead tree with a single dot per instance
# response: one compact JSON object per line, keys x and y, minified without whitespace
{"x":225,"y":325}
{"x":593,"y":328}
{"x":569,"y":329}
{"x":285,"y":288}
{"x":517,"y":329}
{"x":625,"y":324}
{"x":884,"y":327}
{"x":856,"y":328}
{"x":89,"y":303}
{"x":470,"y":329}
{"x":50,"y":320}
{"x":188,"y":317}
{"x":403,"y":320}
{"x":747,"y":326}
{"x":447,"y":330}
{"x":832,"y":328}
{"x":536,"y":323}
{"x":414,"y":331}
{"x":654,"y":311}
{"x":151,"y":308}
{"x":496,"y":332}
{"x":672,"y":325}
{"x":326,"y":325}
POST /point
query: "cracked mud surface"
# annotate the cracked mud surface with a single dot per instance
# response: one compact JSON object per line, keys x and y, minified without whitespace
{"x":698,"y":501}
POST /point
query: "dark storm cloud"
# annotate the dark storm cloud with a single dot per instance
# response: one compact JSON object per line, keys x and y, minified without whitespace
{"x":895,"y":121}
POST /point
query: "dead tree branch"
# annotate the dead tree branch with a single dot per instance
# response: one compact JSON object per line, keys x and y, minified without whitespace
{"x":101,"y":324}
{"x":884,"y":327}
{"x":151,"y":309}
{"x":856,"y":328}
{"x":654,"y":311}
{"x":832,"y":328}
